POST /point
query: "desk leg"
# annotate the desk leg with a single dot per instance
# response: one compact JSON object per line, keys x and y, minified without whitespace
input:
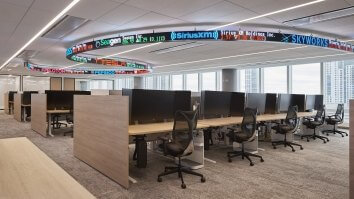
{"x":24,"y":114}
{"x":50,"y":125}
{"x":140,"y":153}
{"x":132,"y":180}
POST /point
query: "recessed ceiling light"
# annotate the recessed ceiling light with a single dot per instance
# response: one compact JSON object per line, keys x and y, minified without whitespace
{"x":46,"y":27}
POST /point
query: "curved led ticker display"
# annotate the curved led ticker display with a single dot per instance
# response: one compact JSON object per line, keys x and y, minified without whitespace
{"x":215,"y":35}
{"x":129,"y":71}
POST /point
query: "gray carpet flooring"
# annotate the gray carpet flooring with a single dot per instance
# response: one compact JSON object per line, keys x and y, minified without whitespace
{"x":318,"y":171}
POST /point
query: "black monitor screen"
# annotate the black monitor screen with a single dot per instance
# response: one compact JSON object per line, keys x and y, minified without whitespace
{"x":299,"y":101}
{"x":271,"y":103}
{"x":284,"y":101}
{"x":11,"y":95}
{"x":62,"y":100}
{"x":237,"y":103}
{"x":215,"y":104}
{"x":26,"y":98}
{"x":310,"y":102}
{"x":256,"y":101}
{"x":319,"y":102}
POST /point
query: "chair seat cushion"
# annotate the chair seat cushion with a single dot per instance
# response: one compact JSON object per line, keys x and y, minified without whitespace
{"x":238,"y":136}
{"x":282,"y":128}
{"x":332,"y":120}
{"x":174,"y":149}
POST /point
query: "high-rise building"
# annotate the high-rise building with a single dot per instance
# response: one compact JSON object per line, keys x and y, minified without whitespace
{"x":252,"y":80}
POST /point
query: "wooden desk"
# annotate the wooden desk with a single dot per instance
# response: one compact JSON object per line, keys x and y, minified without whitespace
{"x":49,"y":113}
{"x":145,"y":129}
{"x":227,"y":121}
{"x":26,"y":172}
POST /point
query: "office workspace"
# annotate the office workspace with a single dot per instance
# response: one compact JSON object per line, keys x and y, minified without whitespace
{"x":176,"y":99}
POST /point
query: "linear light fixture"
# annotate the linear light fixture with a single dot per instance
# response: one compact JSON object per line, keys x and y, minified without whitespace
{"x":228,"y":57}
{"x":269,"y":14}
{"x":127,"y":51}
{"x":256,"y":63}
{"x":45,"y":28}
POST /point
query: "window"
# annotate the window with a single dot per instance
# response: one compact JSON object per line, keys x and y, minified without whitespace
{"x":177,"y":82}
{"x":192,"y":82}
{"x":101,"y":84}
{"x":163,"y":82}
{"x":149,"y":82}
{"x":36,"y":83}
{"x":306,"y":78}
{"x":82,"y":84}
{"x":338,"y":85}
{"x":8,"y":83}
{"x":275,"y":79}
{"x":124,"y":83}
{"x":249,"y":80}
{"x":209,"y":81}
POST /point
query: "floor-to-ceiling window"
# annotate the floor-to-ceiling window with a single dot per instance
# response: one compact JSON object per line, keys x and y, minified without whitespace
{"x":192,"y":82}
{"x":31,"y":83}
{"x":124,"y":83}
{"x":306,"y":78}
{"x":275,"y":79}
{"x":101,"y":84}
{"x":338,"y":85}
{"x":249,"y":80}
{"x":209,"y":81}
{"x":163,"y":82}
{"x":149,"y":82}
{"x":177,"y":82}
{"x":8,"y":83}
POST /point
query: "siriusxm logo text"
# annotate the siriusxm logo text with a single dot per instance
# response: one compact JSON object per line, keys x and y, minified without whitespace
{"x":195,"y":35}
{"x":309,"y":40}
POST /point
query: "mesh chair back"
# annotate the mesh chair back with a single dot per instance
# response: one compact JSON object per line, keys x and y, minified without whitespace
{"x":340,"y":112}
{"x":249,"y":122}
{"x":185,"y":123}
{"x":291,"y":118}
{"x":320,"y":115}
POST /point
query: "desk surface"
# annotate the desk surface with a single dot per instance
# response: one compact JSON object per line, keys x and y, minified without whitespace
{"x":57,"y":111}
{"x":238,"y":120}
{"x":143,"y":129}
{"x":26,"y":172}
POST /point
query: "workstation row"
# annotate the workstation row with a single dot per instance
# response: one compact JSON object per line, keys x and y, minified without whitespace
{"x":143,"y":117}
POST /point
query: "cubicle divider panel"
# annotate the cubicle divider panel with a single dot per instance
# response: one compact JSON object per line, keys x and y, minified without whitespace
{"x":39,"y":113}
{"x":6,"y":103}
{"x":101,"y":136}
{"x":17,"y":107}
{"x":99,"y":92}
{"x":115,"y":92}
{"x":351,"y":148}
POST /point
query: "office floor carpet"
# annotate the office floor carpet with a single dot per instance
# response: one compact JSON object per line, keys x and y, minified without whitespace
{"x":319,"y":171}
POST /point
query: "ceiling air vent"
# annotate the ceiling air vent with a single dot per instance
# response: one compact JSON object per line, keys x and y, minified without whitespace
{"x":177,"y":48}
{"x":325,"y":16}
{"x":64,"y":27}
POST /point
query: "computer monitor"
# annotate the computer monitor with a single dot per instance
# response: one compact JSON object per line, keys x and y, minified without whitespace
{"x":26,"y":97}
{"x":215,"y":104}
{"x":11,"y":95}
{"x":318,"y":102}
{"x":271,"y":103}
{"x":310,"y":102}
{"x":62,"y":100}
{"x":237,"y":103}
{"x":182,"y":101}
{"x":256,"y":101}
{"x":284,"y":101}
{"x":298,"y":100}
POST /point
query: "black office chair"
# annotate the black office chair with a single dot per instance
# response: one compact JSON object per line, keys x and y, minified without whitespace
{"x":247,"y":134}
{"x":290,"y":125}
{"x":181,"y":145}
{"x":70,"y":120}
{"x":336,"y":119}
{"x":313,"y":123}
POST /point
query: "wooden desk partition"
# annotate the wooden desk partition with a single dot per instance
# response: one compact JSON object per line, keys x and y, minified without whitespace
{"x":101,"y":134}
{"x":351,"y":148}
{"x":39,"y":113}
{"x":26,"y":172}
{"x":6,"y":103}
{"x":17,"y":107}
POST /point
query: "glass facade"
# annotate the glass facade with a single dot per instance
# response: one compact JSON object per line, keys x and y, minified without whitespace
{"x":275,"y":79}
{"x":177,"y":82}
{"x":209,"y":81}
{"x":31,"y":83}
{"x":249,"y":80}
{"x":192,"y":82}
{"x":306,"y":78}
{"x":8,"y":83}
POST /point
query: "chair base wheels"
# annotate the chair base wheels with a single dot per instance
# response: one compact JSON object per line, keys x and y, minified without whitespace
{"x":202,"y":179}
{"x":286,"y":143}
{"x":243,"y":154}
{"x":183,"y":186}
{"x":159,"y":179}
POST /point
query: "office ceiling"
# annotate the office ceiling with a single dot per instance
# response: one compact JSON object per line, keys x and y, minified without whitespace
{"x":21,"y":19}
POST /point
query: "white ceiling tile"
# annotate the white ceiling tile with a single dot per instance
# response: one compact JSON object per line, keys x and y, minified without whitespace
{"x":122,"y":15}
{"x":173,"y":8}
{"x":25,"y":3}
{"x":92,"y":9}
{"x":55,"y":6}
{"x":147,"y":20}
{"x":213,"y":13}
{"x":11,"y":13}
